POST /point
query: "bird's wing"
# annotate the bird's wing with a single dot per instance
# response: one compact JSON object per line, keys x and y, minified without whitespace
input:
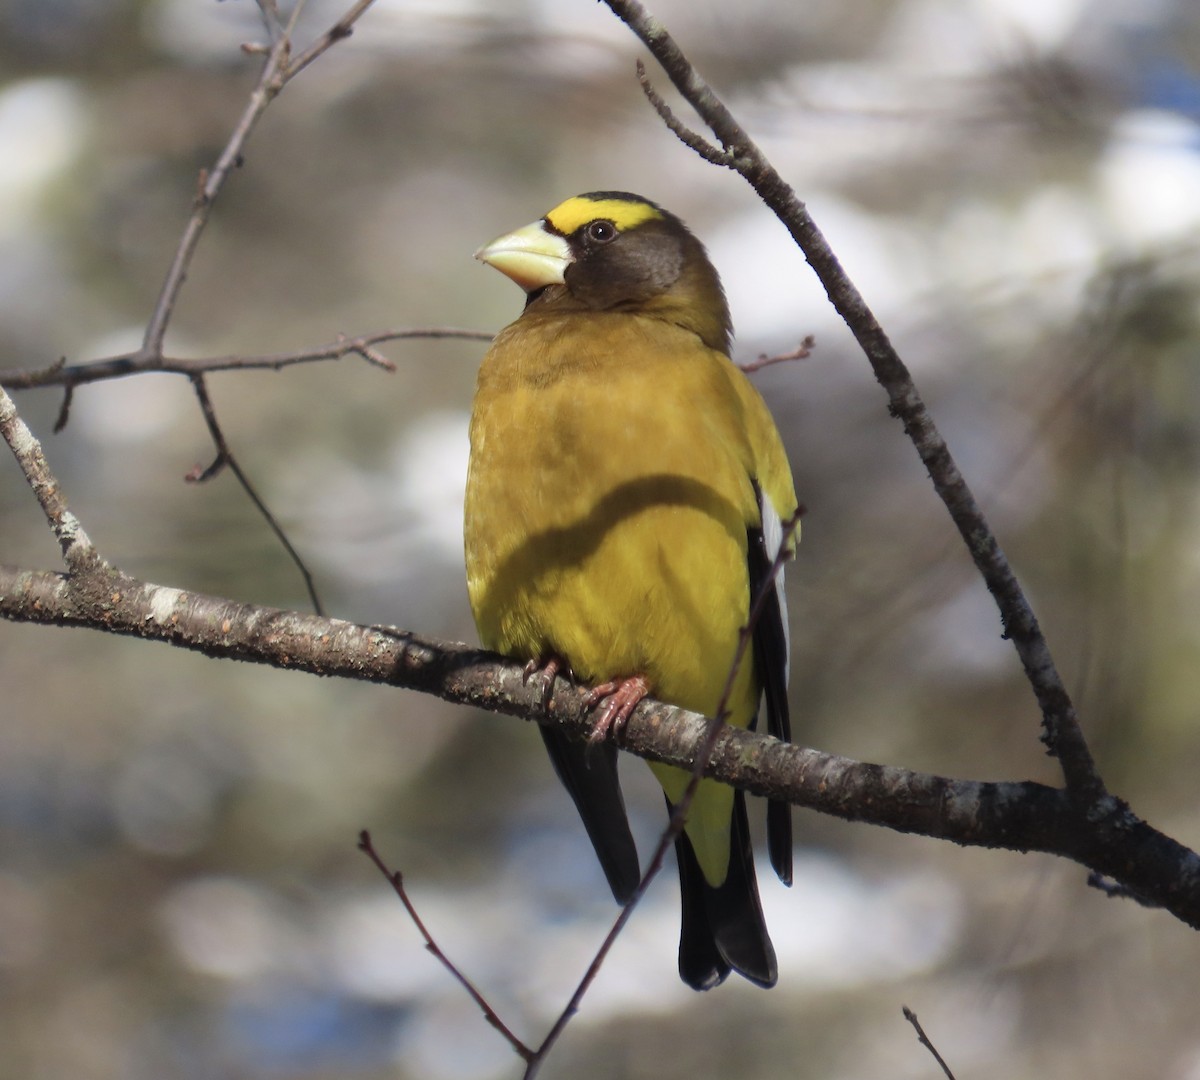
{"x":589,"y":773}
{"x":771,"y":663}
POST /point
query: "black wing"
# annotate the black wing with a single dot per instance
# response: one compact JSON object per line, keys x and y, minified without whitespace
{"x":771,"y":661}
{"x":589,"y":773}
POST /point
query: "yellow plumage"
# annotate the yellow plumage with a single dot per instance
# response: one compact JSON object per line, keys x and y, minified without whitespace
{"x":617,"y":460}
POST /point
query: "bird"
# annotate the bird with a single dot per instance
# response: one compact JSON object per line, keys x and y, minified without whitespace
{"x":626,"y":500}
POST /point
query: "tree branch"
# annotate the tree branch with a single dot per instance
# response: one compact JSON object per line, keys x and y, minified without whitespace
{"x":226,"y":459}
{"x":396,"y":880}
{"x":138,"y":363}
{"x":277,"y":71}
{"x":1018,"y":816}
{"x":76,"y":546}
{"x":1060,"y":727}
{"x":923,"y":1039}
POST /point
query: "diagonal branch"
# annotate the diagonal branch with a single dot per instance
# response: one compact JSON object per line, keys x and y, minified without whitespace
{"x":225,"y":459}
{"x":396,"y":880}
{"x":1060,"y":726}
{"x":77,"y":550}
{"x":276,"y":72}
{"x":339,"y":31}
{"x":923,"y":1039}
{"x":208,"y":187}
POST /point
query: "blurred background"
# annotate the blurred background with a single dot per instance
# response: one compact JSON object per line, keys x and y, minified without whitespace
{"x":1014,"y":185}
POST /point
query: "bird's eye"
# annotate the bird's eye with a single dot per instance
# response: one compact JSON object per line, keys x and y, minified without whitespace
{"x":601,"y":231}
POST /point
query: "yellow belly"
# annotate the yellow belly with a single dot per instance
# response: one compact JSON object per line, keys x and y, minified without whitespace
{"x":607,"y":526}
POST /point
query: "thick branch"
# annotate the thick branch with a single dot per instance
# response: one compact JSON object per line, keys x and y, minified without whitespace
{"x":1061,"y":731}
{"x":1018,"y":816}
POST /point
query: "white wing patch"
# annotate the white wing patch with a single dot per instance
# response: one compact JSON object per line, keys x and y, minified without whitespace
{"x":772,"y":530}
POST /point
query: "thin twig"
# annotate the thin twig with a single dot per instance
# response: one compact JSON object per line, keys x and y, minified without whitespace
{"x":801,"y":352}
{"x":269,"y":10}
{"x":923,"y":1039}
{"x":396,"y":880}
{"x":1060,"y":726}
{"x":276,"y":72}
{"x":225,"y":458}
{"x":682,"y":132}
{"x":339,"y":31}
{"x":64,"y":410}
{"x":212,"y":179}
{"x":61,"y":373}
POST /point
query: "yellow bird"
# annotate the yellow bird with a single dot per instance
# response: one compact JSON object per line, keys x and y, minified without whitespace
{"x":624,"y":502}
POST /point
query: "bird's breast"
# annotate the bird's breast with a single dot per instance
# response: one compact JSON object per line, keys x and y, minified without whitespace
{"x":604,"y":523}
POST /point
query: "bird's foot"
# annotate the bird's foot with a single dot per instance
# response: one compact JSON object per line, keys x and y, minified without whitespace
{"x":620,"y":698}
{"x":549,"y":669}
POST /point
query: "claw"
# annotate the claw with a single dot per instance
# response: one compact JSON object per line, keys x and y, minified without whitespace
{"x":620,"y":698}
{"x":549,"y":671}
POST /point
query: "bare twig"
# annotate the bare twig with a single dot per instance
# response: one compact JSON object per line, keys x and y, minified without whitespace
{"x":1060,"y":727}
{"x":801,"y":352}
{"x":277,"y":70}
{"x":683,"y":133}
{"x":61,"y":373}
{"x":64,"y":410}
{"x":225,"y":458}
{"x":269,"y":10}
{"x":339,"y":31}
{"x":212,"y":180}
{"x":923,"y":1039}
{"x":396,"y":880}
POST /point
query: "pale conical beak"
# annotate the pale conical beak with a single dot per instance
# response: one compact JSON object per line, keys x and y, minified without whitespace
{"x":531,"y":256}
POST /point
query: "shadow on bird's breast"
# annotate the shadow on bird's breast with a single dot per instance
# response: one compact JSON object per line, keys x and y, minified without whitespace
{"x":641,"y":514}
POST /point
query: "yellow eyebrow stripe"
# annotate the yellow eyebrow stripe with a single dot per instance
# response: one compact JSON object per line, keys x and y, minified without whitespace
{"x":577,"y":211}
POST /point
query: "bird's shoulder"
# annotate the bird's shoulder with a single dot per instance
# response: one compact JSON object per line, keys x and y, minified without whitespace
{"x":600,"y":374}
{"x":541,"y":348}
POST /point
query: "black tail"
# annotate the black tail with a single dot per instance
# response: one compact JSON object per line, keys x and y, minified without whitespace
{"x":589,"y":773}
{"x":723,"y":928}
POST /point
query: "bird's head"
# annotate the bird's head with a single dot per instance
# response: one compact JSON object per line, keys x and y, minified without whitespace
{"x":610,"y":250}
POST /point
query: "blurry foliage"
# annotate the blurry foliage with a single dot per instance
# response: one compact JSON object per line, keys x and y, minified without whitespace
{"x":1014,"y":188}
